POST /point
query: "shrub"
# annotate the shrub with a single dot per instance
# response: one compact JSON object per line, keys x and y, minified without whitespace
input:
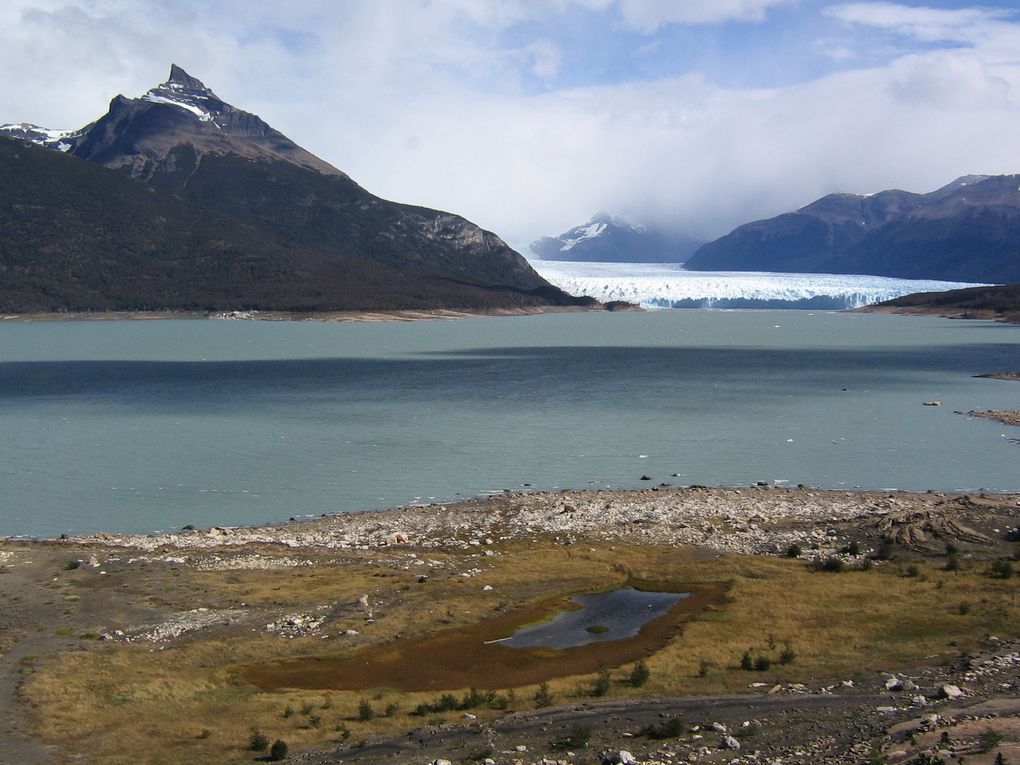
{"x":640,"y":674}
{"x":854,"y":548}
{"x":990,"y":739}
{"x":278,"y":750}
{"x":787,"y":656}
{"x":577,"y":738}
{"x":365,"y":710}
{"x":884,"y":551}
{"x":1002,"y":569}
{"x":481,"y":754}
{"x":833,"y":565}
{"x":288,"y":711}
{"x":762,"y":664}
{"x":473,"y":699}
{"x":964,"y":608}
{"x":953,"y":562}
{"x":671,"y":728}
{"x":794,"y":551}
{"x":391,"y":709}
{"x":746,"y":662}
{"x":703,"y":668}
{"x":601,"y":685}
{"x":913,"y":570}
{"x":257,"y":742}
{"x":543,"y":698}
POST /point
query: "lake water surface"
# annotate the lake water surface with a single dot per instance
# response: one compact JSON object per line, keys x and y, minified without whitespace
{"x":133,"y":426}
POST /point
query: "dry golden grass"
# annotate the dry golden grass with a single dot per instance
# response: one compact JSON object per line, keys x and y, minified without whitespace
{"x":140,"y":704}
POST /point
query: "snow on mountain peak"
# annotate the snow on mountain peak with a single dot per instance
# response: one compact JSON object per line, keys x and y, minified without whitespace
{"x":581,"y":233}
{"x":187,"y":93}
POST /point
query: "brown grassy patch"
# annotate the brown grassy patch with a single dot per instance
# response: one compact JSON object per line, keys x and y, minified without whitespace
{"x":463,"y":657}
{"x":138,"y":703}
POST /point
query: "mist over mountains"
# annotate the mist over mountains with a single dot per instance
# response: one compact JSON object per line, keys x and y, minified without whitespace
{"x":608,"y":239}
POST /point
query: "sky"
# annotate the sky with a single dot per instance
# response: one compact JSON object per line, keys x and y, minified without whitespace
{"x":530,"y":116}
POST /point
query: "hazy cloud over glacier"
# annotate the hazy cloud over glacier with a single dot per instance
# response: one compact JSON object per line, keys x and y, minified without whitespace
{"x":529,"y":116}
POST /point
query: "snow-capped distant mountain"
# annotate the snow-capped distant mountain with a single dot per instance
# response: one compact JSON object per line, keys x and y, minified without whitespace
{"x":61,"y":140}
{"x":606,"y":238}
{"x":669,"y":286}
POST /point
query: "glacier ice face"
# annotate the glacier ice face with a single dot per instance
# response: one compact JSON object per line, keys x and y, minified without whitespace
{"x":655,"y":285}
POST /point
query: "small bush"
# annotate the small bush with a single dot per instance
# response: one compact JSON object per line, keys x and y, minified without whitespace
{"x":746,"y":662}
{"x":990,"y":739}
{"x":787,"y":656}
{"x":481,"y":754}
{"x":542,"y":697}
{"x":257,"y":742}
{"x":391,"y":709}
{"x":963,"y":609}
{"x":71,"y":565}
{"x":913,"y":570}
{"x":703,"y":668}
{"x":671,"y":728}
{"x":953,"y":562}
{"x":762,"y":664}
{"x":278,"y":750}
{"x":577,"y":738}
{"x":854,"y":548}
{"x":794,"y":551}
{"x":640,"y":674}
{"x":832,"y":565}
{"x":884,"y":551}
{"x":473,"y":699}
{"x":306,"y":709}
{"x":601,"y":685}
{"x":365,"y":710}
{"x":1002,"y":569}
{"x":288,"y":711}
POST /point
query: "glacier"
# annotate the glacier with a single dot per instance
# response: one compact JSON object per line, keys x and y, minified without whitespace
{"x":658,"y":285}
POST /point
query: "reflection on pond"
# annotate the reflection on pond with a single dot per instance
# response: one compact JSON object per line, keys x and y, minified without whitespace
{"x":606,"y":616}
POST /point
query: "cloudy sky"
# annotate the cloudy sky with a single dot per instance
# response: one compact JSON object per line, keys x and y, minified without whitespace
{"x":528,"y":116}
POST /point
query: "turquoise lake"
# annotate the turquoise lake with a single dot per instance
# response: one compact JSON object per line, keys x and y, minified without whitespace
{"x":137,"y":426}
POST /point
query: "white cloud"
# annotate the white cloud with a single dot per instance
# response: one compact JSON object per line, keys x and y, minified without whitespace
{"x":430,"y":102}
{"x":649,"y":15}
{"x":930,"y":24}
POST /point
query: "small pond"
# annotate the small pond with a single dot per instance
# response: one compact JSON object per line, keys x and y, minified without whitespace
{"x":605,"y":616}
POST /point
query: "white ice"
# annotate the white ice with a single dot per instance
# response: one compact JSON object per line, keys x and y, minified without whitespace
{"x":655,"y":285}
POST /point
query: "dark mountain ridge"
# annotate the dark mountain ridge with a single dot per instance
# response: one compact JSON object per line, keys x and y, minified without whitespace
{"x":968,"y":230}
{"x":311,"y":237}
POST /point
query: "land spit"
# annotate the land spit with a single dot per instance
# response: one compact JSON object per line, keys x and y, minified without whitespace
{"x":103,"y":635}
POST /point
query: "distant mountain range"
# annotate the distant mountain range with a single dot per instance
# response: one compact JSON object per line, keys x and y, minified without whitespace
{"x":607,"y":239}
{"x":178,"y":200}
{"x":966,"y":231}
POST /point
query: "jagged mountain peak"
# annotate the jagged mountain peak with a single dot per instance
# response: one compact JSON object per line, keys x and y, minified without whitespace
{"x":181,"y":79}
{"x":187,"y":93}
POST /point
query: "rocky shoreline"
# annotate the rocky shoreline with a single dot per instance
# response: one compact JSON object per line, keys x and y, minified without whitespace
{"x":761,"y":520}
